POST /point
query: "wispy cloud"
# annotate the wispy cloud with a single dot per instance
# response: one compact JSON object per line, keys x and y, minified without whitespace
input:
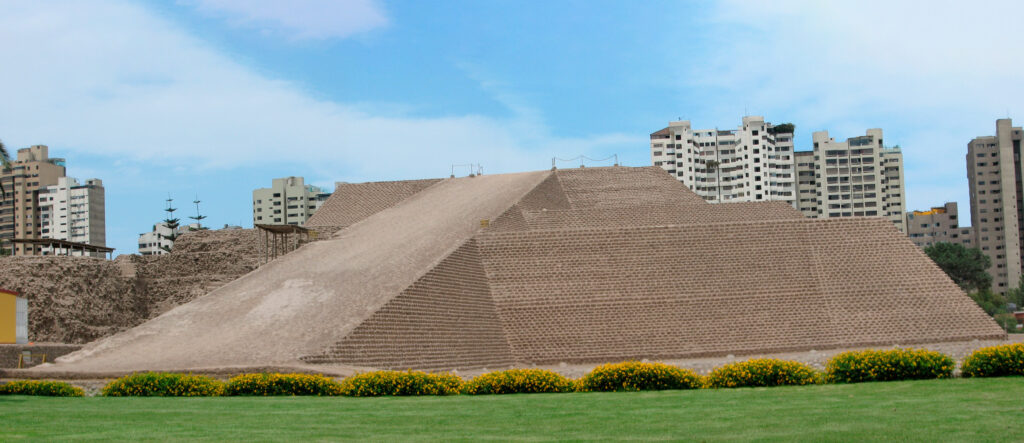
{"x":111,"y":78}
{"x":299,"y":19}
{"x":932,"y":76}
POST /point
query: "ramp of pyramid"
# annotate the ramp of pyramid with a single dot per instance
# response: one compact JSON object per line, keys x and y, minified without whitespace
{"x":308,"y":300}
{"x":677,"y":291}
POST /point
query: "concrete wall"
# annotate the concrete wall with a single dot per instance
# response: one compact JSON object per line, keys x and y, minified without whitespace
{"x":9,"y":354}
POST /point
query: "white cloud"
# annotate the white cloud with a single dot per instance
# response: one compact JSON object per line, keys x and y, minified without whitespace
{"x":932,"y":75}
{"x":300,"y":19}
{"x":111,"y":78}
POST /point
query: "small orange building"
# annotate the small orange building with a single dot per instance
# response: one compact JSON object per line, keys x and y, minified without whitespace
{"x":13,"y":317}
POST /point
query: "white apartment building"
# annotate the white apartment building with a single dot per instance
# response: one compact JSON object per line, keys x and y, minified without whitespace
{"x":758,"y":162}
{"x":289,"y":201}
{"x":154,"y":242}
{"x":806,"y":184}
{"x":74,"y":211}
{"x":856,"y":177}
{"x":750,"y":163}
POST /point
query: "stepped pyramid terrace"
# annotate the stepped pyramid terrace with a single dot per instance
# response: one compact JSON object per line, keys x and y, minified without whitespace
{"x":582,"y":266}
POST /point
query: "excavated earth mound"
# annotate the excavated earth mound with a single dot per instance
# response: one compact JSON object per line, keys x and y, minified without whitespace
{"x":81,"y":299}
{"x":583,"y":266}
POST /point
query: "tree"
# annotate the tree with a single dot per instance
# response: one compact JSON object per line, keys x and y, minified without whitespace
{"x":1016,"y":295}
{"x":965,"y":266}
{"x":198,"y":217}
{"x":784,"y":128}
{"x":171,"y":222}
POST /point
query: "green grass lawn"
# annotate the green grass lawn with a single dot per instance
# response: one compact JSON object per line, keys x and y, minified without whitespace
{"x":936,"y":410}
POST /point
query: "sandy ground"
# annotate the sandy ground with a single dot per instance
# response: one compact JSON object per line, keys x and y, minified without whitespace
{"x":307,"y":300}
{"x":814,"y":358}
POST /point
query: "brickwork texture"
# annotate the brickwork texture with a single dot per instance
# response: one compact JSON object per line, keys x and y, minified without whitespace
{"x":582,"y":266}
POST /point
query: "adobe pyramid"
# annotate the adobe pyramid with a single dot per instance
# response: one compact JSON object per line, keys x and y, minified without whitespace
{"x":583,"y":265}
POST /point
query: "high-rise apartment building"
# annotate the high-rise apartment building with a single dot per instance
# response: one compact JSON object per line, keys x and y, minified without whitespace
{"x":856,"y":177}
{"x":289,"y":201}
{"x":20,"y":214}
{"x":938,"y":224}
{"x":806,"y":184}
{"x":74,"y":211}
{"x":751,"y":163}
{"x":994,"y":175}
{"x":758,"y":162}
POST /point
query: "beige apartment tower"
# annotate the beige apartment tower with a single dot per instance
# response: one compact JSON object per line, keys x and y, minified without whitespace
{"x":751,"y":163}
{"x":937,"y":225}
{"x":20,"y":214}
{"x":859,"y":177}
{"x":289,"y":201}
{"x":994,"y":175}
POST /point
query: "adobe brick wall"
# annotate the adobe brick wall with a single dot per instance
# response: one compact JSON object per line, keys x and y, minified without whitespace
{"x":72,"y":299}
{"x":581,"y":266}
{"x":353,"y":202}
{"x":549,"y":195}
{"x":81,"y":299}
{"x":621,"y":186}
{"x":446,"y":320}
{"x":683,"y":291}
{"x":576,"y":199}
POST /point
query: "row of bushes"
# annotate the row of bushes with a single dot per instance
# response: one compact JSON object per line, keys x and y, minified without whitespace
{"x":41,"y":387}
{"x":847,"y":367}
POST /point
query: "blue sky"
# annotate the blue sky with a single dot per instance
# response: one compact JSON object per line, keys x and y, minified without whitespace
{"x":216,"y":97}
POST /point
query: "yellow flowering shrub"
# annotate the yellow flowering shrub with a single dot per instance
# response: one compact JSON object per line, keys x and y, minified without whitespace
{"x":894,"y":364}
{"x":517,"y":381}
{"x":995,"y":361}
{"x":637,"y":376}
{"x":41,"y":388}
{"x":761,"y":372}
{"x":282,"y":384}
{"x":379,"y":383}
{"x":163,"y":384}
